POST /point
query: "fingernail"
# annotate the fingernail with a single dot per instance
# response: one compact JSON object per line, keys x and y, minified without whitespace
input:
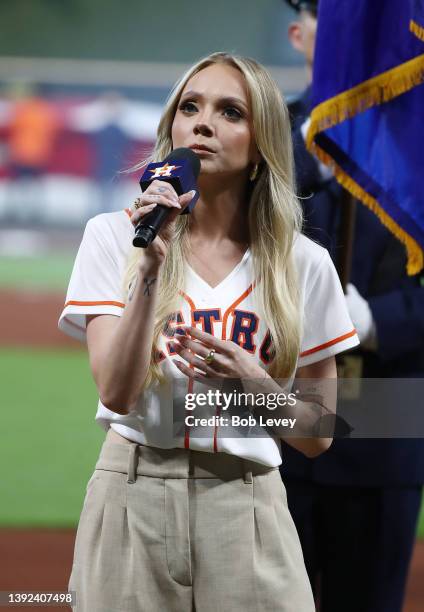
{"x":193,"y":193}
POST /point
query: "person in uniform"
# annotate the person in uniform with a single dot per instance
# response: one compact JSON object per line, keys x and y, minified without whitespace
{"x":356,"y":507}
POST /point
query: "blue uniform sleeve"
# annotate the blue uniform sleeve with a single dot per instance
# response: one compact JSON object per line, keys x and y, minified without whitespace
{"x":399,"y":319}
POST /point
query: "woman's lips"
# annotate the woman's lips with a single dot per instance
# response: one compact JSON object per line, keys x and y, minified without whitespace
{"x":200,"y":148}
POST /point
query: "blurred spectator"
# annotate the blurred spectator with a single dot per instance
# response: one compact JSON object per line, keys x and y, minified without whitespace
{"x":115,"y":124}
{"x":34,"y":126}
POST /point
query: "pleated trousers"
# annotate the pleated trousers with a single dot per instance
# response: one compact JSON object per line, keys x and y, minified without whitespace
{"x":177,"y":530}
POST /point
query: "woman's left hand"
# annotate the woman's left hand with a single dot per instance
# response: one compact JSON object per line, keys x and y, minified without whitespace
{"x":227,"y":359}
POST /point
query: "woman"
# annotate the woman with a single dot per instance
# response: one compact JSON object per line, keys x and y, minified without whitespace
{"x":232,"y":291}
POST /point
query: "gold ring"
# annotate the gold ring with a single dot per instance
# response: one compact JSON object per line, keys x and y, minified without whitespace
{"x":137,"y":203}
{"x":210,"y":357}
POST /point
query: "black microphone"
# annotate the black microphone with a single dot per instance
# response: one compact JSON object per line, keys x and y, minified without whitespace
{"x":181,"y":169}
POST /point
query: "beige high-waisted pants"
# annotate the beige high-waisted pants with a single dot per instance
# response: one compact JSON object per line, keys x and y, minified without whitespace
{"x":179,"y":530}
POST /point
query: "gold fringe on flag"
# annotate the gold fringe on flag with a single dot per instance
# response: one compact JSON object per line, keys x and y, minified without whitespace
{"x":416,"y":29}
{"x":377,"y":90}
{"x":414,"y":251}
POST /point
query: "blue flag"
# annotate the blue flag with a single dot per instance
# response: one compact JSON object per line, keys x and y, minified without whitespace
{"x":368,"y":109}
{"x":416,"y":24}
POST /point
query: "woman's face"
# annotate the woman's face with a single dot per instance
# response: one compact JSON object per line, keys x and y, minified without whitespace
{"x":214,"y":119}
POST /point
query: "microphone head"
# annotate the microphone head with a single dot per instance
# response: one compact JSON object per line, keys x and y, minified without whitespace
{"x":180,"y":169}
{"x":187,"y":154}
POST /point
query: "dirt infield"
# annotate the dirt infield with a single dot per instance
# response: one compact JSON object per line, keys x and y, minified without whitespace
{"x":40,"y":560}
{"x":30,"y":319}
{"x":36,"y":560}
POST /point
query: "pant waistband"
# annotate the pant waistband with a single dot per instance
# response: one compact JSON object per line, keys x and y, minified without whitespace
{"x":136,"y":459}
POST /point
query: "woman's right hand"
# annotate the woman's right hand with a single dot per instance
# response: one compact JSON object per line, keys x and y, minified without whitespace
{"x":160,"y":192}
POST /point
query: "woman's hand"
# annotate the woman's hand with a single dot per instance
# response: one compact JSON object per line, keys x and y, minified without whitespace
{"x":160,"y":192}
{"x":229,"y":360}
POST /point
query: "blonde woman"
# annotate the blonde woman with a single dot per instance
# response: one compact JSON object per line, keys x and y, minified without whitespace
{"x":232,"y":291}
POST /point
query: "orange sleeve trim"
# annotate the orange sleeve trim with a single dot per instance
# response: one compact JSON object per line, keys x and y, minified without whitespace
{"x":232,"y":307}
{"x":106,"y":303}
{"x":320,"y":347}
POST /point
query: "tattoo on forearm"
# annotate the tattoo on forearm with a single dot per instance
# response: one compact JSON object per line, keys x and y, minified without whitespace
{"x":148,"y":282}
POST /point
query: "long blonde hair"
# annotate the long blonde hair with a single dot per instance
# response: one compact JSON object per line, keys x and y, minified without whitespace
{"x":274,"y":218}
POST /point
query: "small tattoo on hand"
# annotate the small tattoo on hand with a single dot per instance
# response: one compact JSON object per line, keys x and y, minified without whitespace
{"x":148,"y":282}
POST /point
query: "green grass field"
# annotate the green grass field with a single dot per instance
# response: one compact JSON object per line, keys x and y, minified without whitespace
{"x":41,"y":273}
{"x":50,"y":442}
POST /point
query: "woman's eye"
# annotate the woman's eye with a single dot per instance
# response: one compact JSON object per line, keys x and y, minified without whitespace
{"x":188,"y":107}
{"x":232,"y":113}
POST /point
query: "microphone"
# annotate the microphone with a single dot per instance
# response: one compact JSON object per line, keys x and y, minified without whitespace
{"x":181,"y":169}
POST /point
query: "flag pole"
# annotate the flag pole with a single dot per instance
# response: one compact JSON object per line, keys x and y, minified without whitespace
{"x":346,"y":235}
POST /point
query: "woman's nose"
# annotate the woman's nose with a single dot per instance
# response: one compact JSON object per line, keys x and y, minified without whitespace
{"x":202,"y":128}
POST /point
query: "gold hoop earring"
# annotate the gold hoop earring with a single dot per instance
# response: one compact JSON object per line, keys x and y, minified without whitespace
{"x":254,"y":173}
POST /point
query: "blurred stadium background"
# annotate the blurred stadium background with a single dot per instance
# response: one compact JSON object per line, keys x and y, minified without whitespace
{"x":82,"y":84}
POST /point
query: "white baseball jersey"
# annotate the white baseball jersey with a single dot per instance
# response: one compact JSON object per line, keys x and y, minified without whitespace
{"x":228,"y":311}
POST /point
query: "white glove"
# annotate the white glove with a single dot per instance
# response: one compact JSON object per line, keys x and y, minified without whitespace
{"x":361,"y":316}
{"x":326,"y":172}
